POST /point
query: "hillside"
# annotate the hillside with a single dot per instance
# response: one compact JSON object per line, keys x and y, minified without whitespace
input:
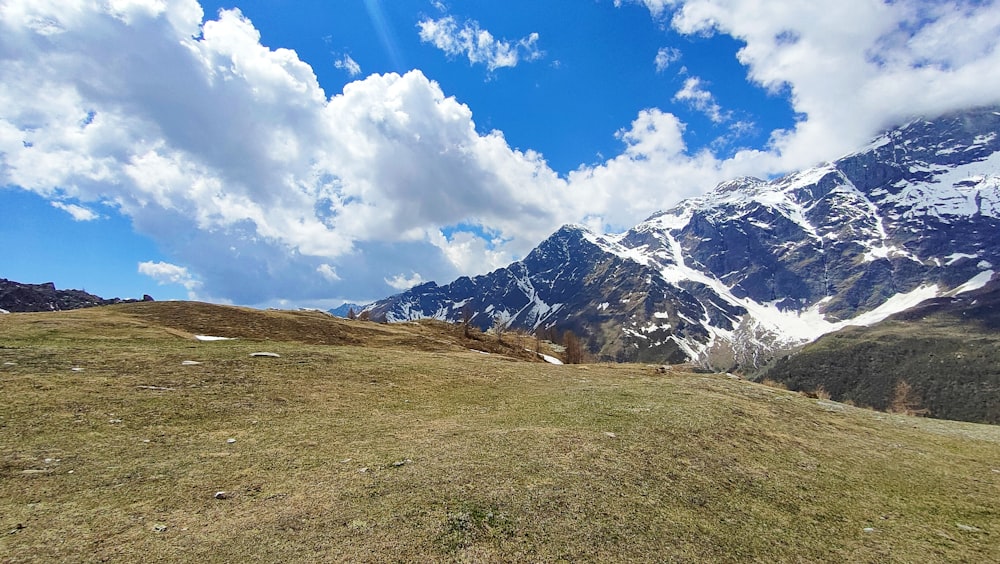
{"x":20,"y":297}
{"x":757,"y":267}
{"x":941,"y":358}
{"x":366,"y":442}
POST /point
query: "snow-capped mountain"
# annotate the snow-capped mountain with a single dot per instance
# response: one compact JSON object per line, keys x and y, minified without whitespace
{"x":754,"y":265}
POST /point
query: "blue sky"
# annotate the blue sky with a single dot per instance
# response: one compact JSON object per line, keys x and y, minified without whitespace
{"x":302,"y":153}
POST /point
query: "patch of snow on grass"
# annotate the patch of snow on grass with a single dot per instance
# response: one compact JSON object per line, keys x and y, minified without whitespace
{"x":895,"y":304}
{"x":550,"y":359}
{"x":211,"y":338}
{"x":810,"y":324}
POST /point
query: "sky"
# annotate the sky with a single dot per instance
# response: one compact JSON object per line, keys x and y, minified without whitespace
{"x":303,"y":153}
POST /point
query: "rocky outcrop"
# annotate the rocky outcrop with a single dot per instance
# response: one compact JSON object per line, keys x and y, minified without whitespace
{"x":18,"y":297}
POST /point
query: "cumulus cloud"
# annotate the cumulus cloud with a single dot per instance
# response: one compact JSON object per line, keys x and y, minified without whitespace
{"x":166,"y":273}
{"x":346,"y":63}
{"x":477,"y":44}
{"x":402,"y":282}
{"x":666,"y":56}
{"x":654,"y":171}
{"x":265,"y":188}
{"x":329,"y":272}
{"x":694,"y":93}
{"x":854,"y":66}
{"x":189,"y":127}
{"x":79,"y":213}
{"x":472,"y":252}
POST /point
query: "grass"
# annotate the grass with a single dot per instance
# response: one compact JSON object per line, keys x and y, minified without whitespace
{"x":947,"y":370}
{"x":366,"y":442}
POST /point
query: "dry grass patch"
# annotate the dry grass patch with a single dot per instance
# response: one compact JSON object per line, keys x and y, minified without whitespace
{"x":399,"y":451}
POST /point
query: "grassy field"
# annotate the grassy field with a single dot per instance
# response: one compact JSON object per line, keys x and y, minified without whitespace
{"x":366,"y":442}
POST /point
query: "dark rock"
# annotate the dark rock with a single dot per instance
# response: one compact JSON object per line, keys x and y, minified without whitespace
{"x":18,"y":297}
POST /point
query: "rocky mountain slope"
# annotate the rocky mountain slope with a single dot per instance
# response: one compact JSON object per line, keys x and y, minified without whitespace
{"x":18,"y":297}
{"x":940,"y":358}
{"x":757,"y":266}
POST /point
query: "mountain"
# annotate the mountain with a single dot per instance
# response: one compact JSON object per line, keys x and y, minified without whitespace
{"x":755,"y":267}
{"x":18,"y":297}
{"x":940,"y":358}
{"x":344,"y":310}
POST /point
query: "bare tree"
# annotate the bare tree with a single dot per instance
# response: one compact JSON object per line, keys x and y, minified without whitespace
{"x":905,"y":400}
{"x":500,"y":326}
{"x":351,"y":314}
{"x":574,"y":350}
{"x":467,"y":320}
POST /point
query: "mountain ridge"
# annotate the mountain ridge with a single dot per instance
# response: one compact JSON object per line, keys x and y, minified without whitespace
{"x":18,"y":297}
{"x":754,"y":267}
{"x":937,"y":359}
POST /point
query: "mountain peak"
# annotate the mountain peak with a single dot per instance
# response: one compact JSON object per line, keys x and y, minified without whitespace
{"x":756,"y":266}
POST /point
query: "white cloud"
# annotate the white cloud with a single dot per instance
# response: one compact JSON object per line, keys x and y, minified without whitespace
{"x":189,"y":129}
{"x":243,"y":169}
{"x":401,"y":282}
{"x":477,"y":44}
{"x":79,"y":213}
{"x":348,"y":64}
{"x":328,"y":272}
{"x":653,"y":173}
{"x":694,"y":93}
{"x":166,"y":273}
{"x":470,"y":252}
{"x":656,"y":7}
{"x":665,"y":57}
{"x":852,"y":67}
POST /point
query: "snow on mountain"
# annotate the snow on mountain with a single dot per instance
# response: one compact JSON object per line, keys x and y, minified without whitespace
{"x":756,"y":266}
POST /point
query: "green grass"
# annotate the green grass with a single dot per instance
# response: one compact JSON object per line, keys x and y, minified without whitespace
{"x":952,"y":370}
{"x":365,"y":442}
